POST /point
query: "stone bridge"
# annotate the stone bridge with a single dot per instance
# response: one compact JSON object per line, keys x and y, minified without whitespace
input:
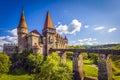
{"x":104,"y":62}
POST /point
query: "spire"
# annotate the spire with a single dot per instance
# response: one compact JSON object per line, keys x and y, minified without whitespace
{"x":22,"y":23}
{"x":65,"y":38}
{"x":48,"y":22}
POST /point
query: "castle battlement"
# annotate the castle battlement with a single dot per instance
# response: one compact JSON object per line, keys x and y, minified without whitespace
{"x":11,"y":44}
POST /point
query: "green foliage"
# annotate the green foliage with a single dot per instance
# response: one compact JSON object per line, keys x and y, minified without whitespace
{"x":15,"y":77}
{"x":88,"y":61}
{"x":94,"y":58}
{"x":116,"y":71}
{"x":77,"y":47}
{"x":34,"y":62}
{"x":91,"y":58}
{"x":52,"y":69}
{"x":69,"y":63}
{"x":19,"y":63}
{"x":116,"y":63}
{"x":69,"y":55}
{"x":31,"y":51}
{"x":116,"y":47}
{"x":85,"y":56}
{"x":116,"y":77}
{"x":4,"y":63}
{"x":17,"y":71}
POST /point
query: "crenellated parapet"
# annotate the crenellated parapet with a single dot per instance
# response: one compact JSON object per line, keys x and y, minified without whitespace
{"x":11,"y":44}
{"x":10,"y":48}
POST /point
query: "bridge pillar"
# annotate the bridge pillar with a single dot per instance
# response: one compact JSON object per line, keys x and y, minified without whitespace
{"x":80,"y":66}
{"x":78,"y":73}
{"x":63,"y":56}
{"x":109,"y":67}
{"x":104,"y":67}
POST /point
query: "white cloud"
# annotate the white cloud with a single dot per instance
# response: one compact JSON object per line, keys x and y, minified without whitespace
{"x":90,"y":41}
{"x":8,"y":39}
{"x":72,"y":28}
{"x":86,"y":26}
{"x":112,"y":29}
{"x":13,"y":32}
{"x":59,"y":22}
{"x":86,"y":41}
{"x":99,"y":28}
{"x":62,"y":29}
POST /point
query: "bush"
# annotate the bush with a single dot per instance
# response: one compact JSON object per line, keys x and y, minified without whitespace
{"x":4,"y":63}
{"x":34,"y":62}
{"x":52,"y":69}
{"x":69,"y":55}
{"x":94,"y":58}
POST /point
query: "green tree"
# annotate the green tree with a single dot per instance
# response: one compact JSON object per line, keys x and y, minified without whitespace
{"x":116,"y":58}
{"x":94,"y":58}
{"x":34,"y":62}
{"x":52,"y":69}
{"x":19,"y":65}
{"x":4,"y":63}
{"x":77,"y":47}
{"x":69,"y":55}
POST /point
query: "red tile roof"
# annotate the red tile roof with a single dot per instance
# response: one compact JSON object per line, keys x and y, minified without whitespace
{"x":48,"y":22}
{"x":22,"y":23}
{"x":35,"y":31}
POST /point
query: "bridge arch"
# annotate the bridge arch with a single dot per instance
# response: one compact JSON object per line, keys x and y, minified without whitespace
{"x":104,"y":62}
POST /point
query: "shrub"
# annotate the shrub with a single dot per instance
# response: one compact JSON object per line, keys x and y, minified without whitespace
{"x":4,"y":63}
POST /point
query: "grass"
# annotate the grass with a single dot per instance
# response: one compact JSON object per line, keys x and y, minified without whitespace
{"x":93,"y":72}
{"x":89,"y":62}
{"x":90,"y":70}
{"x":116,"y":77}
{"x":69,"y":63}
{"x":116,"y":71}
{"x":15,"y":77}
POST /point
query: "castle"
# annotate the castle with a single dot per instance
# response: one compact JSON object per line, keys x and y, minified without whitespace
{"x":39,"y":43}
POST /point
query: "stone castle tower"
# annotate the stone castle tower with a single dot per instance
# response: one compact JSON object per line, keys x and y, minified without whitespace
{"x":39,"y":43}
{"x":49,"y":33}
{"x":22,"y":31}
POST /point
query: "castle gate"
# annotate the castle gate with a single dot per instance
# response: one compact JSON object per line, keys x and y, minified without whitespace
{"x":104,"y":64}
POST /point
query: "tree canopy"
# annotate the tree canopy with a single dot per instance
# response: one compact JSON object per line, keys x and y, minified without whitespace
{"x":53,"y":69}
{"x":4,"y":63}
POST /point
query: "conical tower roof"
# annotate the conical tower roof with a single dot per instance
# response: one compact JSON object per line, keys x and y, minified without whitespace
{"x":48,"y":22}
{"x":22,"y":23}
{"x":65,"y":38}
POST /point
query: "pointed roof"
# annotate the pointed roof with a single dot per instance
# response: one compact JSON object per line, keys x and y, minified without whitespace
{"x":22,"y":23}
{"x":65,"y":38}
{"x":48,"y":22}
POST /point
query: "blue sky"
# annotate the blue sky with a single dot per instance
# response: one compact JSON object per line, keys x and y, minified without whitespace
{"x":84,"y":22}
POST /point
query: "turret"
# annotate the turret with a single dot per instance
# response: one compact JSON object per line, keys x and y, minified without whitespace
{"x":48,"y":25}
{"x":66,"y":40}
{"x":22,"y":31}
{"x":49,"y":32}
